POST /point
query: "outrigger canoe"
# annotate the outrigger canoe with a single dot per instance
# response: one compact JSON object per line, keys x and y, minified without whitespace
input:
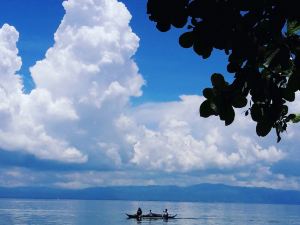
{"x":153,"y":216}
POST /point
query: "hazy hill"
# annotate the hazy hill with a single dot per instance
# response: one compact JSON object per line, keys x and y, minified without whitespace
{"x":196,"y":193}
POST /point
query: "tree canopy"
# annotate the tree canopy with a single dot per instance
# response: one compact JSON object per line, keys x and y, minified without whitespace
{"x":261,"y":40}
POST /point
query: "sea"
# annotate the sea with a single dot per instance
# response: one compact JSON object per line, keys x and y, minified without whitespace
{"x":92,"y":212}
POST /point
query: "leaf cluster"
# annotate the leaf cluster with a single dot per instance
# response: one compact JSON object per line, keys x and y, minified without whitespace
{"x":261,"y":40}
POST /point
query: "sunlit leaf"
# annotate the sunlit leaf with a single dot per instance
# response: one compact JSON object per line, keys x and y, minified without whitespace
{"x":293,"y":26}
{"x":296,"y":119}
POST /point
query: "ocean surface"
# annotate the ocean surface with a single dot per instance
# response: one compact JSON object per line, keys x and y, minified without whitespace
{"x":40,"y":212}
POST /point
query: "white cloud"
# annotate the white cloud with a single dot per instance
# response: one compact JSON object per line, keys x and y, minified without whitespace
{"x":79,"y":111}
{"x":82,"y":85}
{"x":172,"y":137}
{"x":20,"y":113}
{"x":90,"y":61}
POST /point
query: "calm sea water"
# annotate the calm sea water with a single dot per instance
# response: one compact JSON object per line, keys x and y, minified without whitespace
{"x":67,"y":212}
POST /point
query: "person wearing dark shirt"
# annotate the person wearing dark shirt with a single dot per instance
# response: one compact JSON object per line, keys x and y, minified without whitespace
{"x":139,"y":213}
{"x":150,"y":213}
{"x":165,"y":214}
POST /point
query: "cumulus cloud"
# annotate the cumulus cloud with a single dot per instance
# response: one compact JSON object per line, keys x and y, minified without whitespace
{"x":90,"y":61}
{"x":20,"y":129}
{"x":172,"y":137}
{"x":80,"y":112}
{"x":85,"y":80}
{"x":90,"y":67}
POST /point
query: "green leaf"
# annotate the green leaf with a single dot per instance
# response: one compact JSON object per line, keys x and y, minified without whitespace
{"x":229,"y":115}
{"x":284,"y":110}
{"x":293,"y":82}
{"x":163,"y":26}
{"x":256,"y":112}
{"x":288,"y":95}
{"x":233,"y":67}
{"x":296,"y":119}
{"x":217,"y":80}
{"x":271,"y":57}
{"x":293,"y":26}
{"x":263,"y":128}
{"x":199,"y":47}
{"x":208,"y":93}
{"x":202,"y":48}
{"x":290,"y":117}
{"x":239,"y":101}
{"x":179,"y":21}
{"x":206,"y":109}
{"x":226,"y":113}
{"x":186,"y":40}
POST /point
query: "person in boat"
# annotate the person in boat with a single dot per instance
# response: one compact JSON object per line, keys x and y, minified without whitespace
{"x":150,"y":213}
{"x":139,"y":212}
{"x":165,"y":213}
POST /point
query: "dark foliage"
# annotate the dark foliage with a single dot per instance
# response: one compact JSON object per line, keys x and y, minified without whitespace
{"x":263,"y":47}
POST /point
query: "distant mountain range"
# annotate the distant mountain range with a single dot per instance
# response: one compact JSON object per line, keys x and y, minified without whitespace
{"x":196,"y":193}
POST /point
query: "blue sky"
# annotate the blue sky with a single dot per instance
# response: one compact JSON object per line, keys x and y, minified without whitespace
{"x":169,"y":70}
{"x":114,"y":97}
{"x":37,"y":22}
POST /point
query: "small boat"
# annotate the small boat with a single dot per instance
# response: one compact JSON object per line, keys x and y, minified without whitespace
{"x":153,"y":216}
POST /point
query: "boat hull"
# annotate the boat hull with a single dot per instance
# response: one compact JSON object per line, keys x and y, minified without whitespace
{"x":153,"y":216}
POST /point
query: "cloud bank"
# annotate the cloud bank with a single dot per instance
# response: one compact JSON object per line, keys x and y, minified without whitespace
{"x":22,"y":127}
{"x":80,"y":113}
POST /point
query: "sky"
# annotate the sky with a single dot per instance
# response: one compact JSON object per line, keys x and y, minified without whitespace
{"x":91,"y":94}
